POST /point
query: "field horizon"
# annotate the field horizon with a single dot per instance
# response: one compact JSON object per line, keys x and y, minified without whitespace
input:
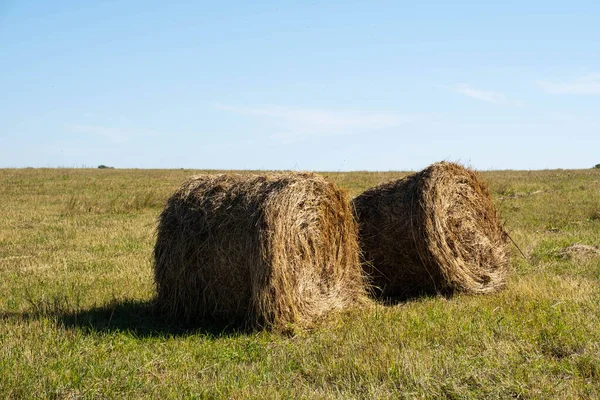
{"x":76,"y":292}
{"x":215,"y":170}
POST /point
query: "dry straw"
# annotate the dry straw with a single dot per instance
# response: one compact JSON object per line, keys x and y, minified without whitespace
{"x":261,"y":251}
{"x":436,"y":231}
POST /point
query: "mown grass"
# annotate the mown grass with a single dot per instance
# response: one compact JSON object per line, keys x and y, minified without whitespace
{"x":76,"y":319}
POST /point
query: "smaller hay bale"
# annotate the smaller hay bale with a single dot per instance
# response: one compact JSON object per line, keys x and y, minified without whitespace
{"x":436,"y":231}
{"x":259,"y":251}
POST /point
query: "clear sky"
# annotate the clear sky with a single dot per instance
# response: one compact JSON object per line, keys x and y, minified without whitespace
{"x":302,"y":85}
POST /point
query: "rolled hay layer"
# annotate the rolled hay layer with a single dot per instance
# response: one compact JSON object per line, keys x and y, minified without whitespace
{"x":436,"y":231}
{"x":260,"y":251}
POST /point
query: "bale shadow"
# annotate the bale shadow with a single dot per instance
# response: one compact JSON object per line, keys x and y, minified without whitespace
{"x":390,"y":301}
{"x":141,"y":319}
{"x":379,"y":296}
{"x":135,"y":317}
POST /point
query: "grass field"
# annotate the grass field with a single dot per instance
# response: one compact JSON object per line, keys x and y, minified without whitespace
{"x":76,"y":289}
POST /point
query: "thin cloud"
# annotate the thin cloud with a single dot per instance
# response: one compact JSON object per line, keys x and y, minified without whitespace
{"x":115,"y":135}
{"x":295,"y":123}
{"x":588,"y":84}
{"x":483,"y":95}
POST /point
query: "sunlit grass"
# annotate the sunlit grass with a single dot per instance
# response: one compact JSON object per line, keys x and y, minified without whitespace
{"x":76,"y":317}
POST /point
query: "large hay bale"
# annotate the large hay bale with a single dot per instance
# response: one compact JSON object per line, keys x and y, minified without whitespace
{"x":436,"y":231}
{"x":261,"y":251}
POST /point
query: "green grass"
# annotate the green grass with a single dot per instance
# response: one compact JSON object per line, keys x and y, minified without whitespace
{"x":76,"y":320}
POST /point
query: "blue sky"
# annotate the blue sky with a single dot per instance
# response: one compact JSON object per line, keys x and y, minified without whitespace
{"x":302,"y":85}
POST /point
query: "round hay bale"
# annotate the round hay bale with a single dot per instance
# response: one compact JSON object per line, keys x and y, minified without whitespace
{"x":260,"y":251}
{"x":436,"y":231}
